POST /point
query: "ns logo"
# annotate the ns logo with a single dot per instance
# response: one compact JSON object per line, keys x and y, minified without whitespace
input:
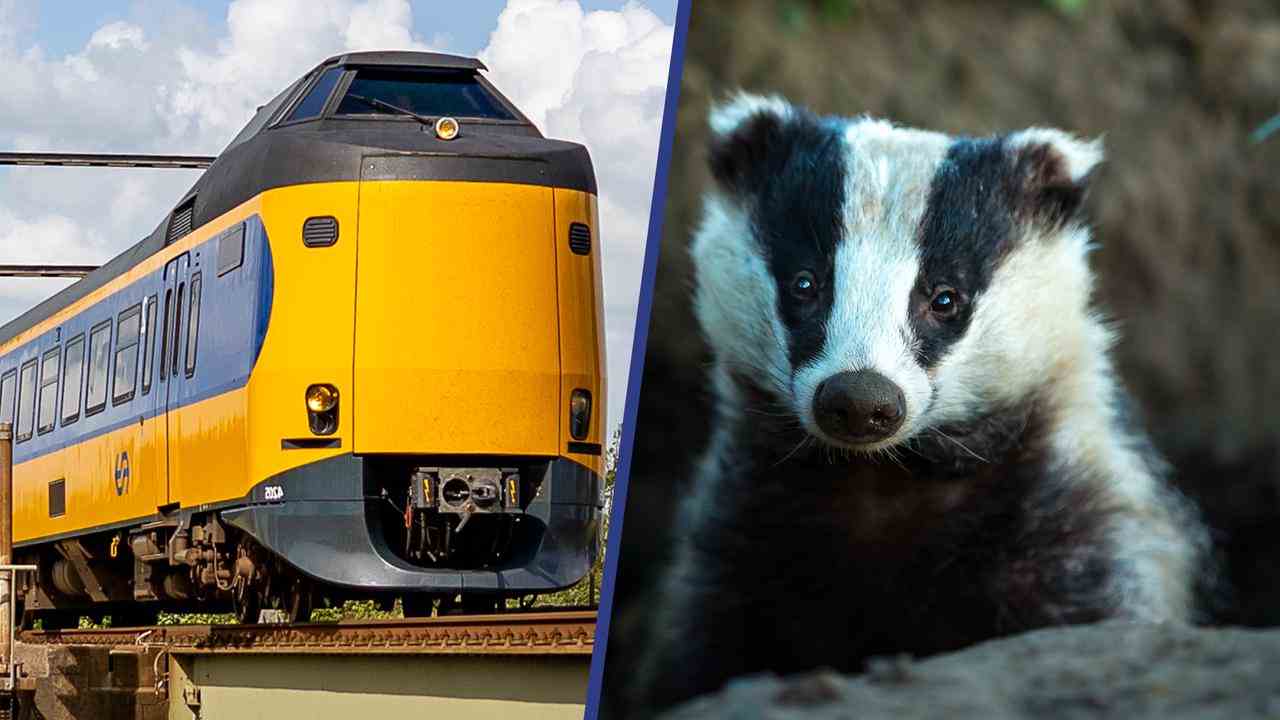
{"x":122,"y":473}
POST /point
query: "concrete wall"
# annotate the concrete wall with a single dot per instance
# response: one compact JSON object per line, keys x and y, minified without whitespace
{"x":315,"y":686}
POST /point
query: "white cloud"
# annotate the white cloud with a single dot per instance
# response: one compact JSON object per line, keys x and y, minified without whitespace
{"x":117,"y":35}
{"x":158,"y":83}
{"x":598,"y":78}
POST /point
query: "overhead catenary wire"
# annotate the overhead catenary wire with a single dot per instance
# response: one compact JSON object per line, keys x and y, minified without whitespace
{"x":114,"y":160}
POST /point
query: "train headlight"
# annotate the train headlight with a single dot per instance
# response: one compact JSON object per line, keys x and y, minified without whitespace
{"x":321,"y":398}
{"x":579,"y":413}
{"x":446,"y":128}
{"x":322,"y":409}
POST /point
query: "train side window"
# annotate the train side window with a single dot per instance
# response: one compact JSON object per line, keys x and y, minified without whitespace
{"x":95,"y":395}
{"x":148,"y":344}
{"x":26,"y":401}
{"x":8,"y":393}
{"x":49,"y":390}
{"x":128,"y":337}
{"x":72,"y":380}
{"x":193,"y":325}
{"x":168,"y":335}
{"x":177,"y":328}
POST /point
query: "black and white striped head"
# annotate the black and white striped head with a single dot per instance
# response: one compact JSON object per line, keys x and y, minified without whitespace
{"x":881,"y":281}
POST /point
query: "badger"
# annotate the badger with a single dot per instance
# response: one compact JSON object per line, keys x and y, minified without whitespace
{"x":919,"y":440}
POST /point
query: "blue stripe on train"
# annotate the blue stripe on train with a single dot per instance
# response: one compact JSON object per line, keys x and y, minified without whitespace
{"x":234,"y":312}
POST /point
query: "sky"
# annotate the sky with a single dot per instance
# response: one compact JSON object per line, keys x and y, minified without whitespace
{"x":183,"y":76}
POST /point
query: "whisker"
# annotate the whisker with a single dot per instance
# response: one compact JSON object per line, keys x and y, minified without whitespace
{"x":792,"y":452}
{"x":961,"y":445}
{"x":892,"y":454}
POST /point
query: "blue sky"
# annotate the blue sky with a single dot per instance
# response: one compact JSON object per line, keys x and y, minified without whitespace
{"x":63,"y":26}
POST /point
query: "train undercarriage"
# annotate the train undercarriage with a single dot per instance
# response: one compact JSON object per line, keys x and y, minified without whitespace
{"x":432,"y":517}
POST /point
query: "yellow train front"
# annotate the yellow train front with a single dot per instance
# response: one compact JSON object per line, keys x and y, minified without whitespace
{"x":362,"y":357}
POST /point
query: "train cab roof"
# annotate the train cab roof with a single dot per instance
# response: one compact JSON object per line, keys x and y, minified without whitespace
{"x":348,"y":108}
{"x":406,"y":58}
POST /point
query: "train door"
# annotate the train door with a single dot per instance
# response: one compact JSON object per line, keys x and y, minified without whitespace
{"x":165,"y":396}
{"x":150,"y":468}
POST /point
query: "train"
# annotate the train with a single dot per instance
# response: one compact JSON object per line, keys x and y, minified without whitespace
{"x":362,"y":357}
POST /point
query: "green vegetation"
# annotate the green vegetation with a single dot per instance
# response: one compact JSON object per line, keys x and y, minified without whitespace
{"x":798,"y":14}
{"x":167,"y":618}
{"x":356,"y":610}
{"x":1067,"y":7}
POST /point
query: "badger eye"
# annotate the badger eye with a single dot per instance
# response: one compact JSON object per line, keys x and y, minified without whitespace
{"x":945,"y":303}
{"x":804,"y":286}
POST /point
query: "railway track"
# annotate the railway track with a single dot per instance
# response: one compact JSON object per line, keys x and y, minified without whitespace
{"x":542,"y":633}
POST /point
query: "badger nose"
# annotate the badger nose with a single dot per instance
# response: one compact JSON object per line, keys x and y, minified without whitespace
{"x":859,"y":407}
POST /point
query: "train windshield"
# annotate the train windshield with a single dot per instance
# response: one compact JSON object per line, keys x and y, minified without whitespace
{"x":431,"y":93}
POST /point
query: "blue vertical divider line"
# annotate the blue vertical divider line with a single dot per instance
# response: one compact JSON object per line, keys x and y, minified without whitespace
{"x":653,"y":244}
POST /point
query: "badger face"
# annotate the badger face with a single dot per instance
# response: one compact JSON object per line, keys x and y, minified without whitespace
{"x":882,"y":282}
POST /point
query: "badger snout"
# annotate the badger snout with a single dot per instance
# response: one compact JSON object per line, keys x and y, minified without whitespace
{"x":859,"y":407}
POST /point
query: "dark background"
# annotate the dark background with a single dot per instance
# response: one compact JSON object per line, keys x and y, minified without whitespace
{"x":1186,"y":211}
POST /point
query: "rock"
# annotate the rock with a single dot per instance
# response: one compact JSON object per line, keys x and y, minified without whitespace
{"x":1109,"y":670}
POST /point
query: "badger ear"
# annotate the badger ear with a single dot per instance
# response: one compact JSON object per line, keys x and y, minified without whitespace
{"x":743,"y":129}
{"x":1054,"y":169}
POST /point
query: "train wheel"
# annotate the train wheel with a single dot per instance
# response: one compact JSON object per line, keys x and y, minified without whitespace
{"x":297,"y":601}
{"x":290,"y":595}
{"x":246,"y":603}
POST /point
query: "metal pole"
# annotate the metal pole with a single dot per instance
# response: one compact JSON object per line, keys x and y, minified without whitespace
{"x":117,"y":160}
{"x":46,"y":271}
{"x":6,"y":549}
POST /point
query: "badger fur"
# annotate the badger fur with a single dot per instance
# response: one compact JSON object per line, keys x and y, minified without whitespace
{"x":919,"y":440}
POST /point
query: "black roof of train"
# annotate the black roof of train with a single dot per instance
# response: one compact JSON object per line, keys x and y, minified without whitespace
{"x":406,"y":58}
{"x":326,"y":149}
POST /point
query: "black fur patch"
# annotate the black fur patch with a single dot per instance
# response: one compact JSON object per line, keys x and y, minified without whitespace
{"x":1049,"y":195}
{"x":791,"y":175}
{"x":981,"y":192}
{"x":966,"y":231}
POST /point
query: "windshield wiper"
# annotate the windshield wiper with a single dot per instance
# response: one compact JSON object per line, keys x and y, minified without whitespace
{"x":383,"y":105}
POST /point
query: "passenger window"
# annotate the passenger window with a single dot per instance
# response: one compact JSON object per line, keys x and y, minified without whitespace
{"x":148,"y":344}
{"x":128,"y":330}
{"x":193,"y":325}
{"x":168,"y":335}
{"x":72,"y":380}
{"x":49,"y":390}
{"x":177,"y":328}
{"x":95,"y":395}
{"x":8,"y":393}
{"x":26,"y":401}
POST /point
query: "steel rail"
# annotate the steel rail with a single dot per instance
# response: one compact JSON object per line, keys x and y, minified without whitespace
{"x":548,"y":633}
{"x":116,"y":160}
